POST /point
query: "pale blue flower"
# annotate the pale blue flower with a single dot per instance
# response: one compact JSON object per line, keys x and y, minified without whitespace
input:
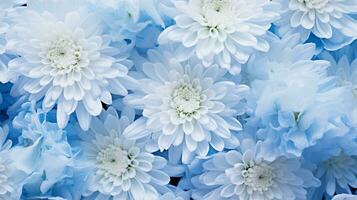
{"x":118,"y":167}
{"x":331,"y":21}
{"x":43,"y":153}
{"x":187,"y":105}
{"x":344,"y":68}
{"x":65,"y":60}
{"x":294,"y":98}
{"x":224,"y":32}
{"x":134,"y":10}
{"x":6,"y":7}
{"x":246,"y":174}
{"x":335,"y":158}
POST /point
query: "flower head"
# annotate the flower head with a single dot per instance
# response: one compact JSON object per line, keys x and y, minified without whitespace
{"x":225,"y":32}
{"x":245,"y":174}
{"x":65,"y":60}
{"x":119,"y":167}
{"x":188,"y":105}
{"x":335,"y":158}
{"x":331,"y":21}
{"x":43,"y":153}
{"x":291,"y":92}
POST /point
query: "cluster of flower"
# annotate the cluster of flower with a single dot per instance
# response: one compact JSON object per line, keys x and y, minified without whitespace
{"x":178,"y":99}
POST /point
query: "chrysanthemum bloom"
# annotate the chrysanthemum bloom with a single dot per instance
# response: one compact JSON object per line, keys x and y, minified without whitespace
{"x":344,"y":68}
{"x":42,"y":153}
{"x":225,"y":32}
{"x":331,"y":21}
{"x":118,"y":167}
{"x":295,"y":98}
{"x":188,"y":105}
{"x":65,"y":60}
{"x":244,"y":174}
{"x":335,"y":158}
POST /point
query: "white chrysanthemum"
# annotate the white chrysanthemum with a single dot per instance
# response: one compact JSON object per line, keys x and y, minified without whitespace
{"x":119,"y":167}
{"x":220,"y":31}
{"x":185,"y":103}
{"x":65,"y":60}
{"x":247,"y":175}
{"x":330,"y":20}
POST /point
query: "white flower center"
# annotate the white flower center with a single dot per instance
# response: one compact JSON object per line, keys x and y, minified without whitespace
{"x":258,"y":177}
{"x":65,"y":55}
{"x":314,"y":4}
{"x":216,"y":5}
{"x":114,"y":160}
{"x":186,"y":100}
{"x":218,"y":14}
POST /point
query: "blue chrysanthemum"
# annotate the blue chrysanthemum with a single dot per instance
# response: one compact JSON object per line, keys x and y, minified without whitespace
{"x":187,"y":105}
{"x":344,"y":68}
{"x":43,"y":153}
{"x":224,"y":32}
{"x":294,"y":98}
{"x":335,"y":158}
{"x":331,"y":21}
{"x":246,"y":174}
{"x":135,"y":10}
{"x":65,"y":59}
{"x":118,"y":167}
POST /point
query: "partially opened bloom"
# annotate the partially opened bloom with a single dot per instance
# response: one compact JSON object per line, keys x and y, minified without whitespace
{"x":225,"y":32}
{"x":188,"y":105}
{"x":294,"y":98}
{"x":65,"y":59}
{"x":118,"y":167}
{"x":43,"y":153}
{"x":244,"y":174}
{"x":331,"y":21}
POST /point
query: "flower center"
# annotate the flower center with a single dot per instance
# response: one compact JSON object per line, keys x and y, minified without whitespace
{"x":259,"y":178}
{"x":186,"y":100}
{"x":314,"y":4}
{"x":64,"y":54}
{"x":216,"y":5}
{"x":340,"y":161}
{"x":114,"y":160}
{"x":218,"y":14}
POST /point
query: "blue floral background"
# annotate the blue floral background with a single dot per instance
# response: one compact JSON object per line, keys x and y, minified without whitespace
{"x":178,"y":99}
